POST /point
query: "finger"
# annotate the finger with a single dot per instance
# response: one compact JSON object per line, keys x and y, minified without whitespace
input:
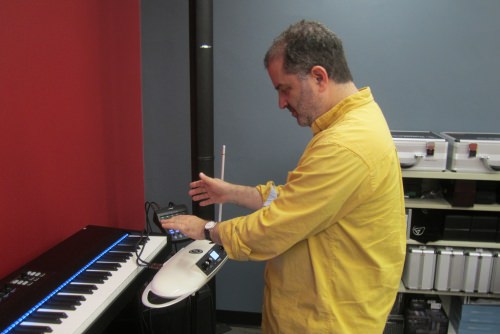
{"x":200,"y":197}
{"x":167,"y":226}
{"x":203,"y":200}
{"x":197,"y":191}
{"x":169,"y":223}
{"x":207,"y":202}
{"x":205,"y":178}
{"x":196,"y":184}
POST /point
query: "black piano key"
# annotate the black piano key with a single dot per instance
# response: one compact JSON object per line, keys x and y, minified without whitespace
{"x":109,"y":266}
{"x":95,"y":277}
{"x":53,"y":305}
{"x":126,"y":255}
{"x":46,"y":317}
{"x":68,"y":301}
{"x":86,"y":289}
{"x":32,"y":329}
{"x":69,"y":298}
{"x":97,"y":273}
{"x":134,"y":244}
{"x":104,"y":275}
{"x":125,"y":248}
{"x":135,"y":240}
{"x":60,"y":315}
{"x":114,"y":257}
{"x":92,"y":280}
{"x":63,"y":302}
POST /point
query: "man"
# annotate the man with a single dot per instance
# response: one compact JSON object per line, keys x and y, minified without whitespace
{"x":333,"y":236}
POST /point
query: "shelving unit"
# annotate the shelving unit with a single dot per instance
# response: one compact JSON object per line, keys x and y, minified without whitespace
{"x":403,"y":289}
{"x":453,"y":243}
{"x":443,"y":204}
{"x":449,"y":175}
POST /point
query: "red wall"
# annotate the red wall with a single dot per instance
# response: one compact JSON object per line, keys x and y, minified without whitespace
{"x":71,"y":122}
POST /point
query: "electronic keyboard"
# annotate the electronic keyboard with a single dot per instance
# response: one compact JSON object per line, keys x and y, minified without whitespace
{"x":72,"y":286}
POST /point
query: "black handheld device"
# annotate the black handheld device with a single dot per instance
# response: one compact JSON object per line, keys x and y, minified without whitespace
{"x":168,"y":212}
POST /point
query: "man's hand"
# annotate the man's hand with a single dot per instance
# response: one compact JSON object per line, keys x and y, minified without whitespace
{"x":209,"y":190}
{"x":189,"y":225}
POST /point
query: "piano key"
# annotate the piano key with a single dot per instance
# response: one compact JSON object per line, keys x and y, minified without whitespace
{"x":93,"y":280}
{"x":56,"y":314}
{"x":120,"y":252}
{"x":32,"y":329}
{"x":95,"y":273}
{"x":68,"y":298}
{"x":79,"y":288}
{"x":135,"y":239}
{"x":62,"y":306}
{"x":47,"y":317}
{"x":85,"y":278}
{"x":125,"y":248}
{"x":115,"y":257}
{"x":109,"y":266}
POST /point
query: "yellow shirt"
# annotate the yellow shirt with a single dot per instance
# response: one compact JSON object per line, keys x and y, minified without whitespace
{"x":334,"y":237}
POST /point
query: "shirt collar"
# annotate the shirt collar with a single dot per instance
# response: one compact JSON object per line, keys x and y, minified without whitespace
{"x":324,"y":121}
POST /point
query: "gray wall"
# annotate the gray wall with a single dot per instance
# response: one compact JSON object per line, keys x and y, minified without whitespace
{"x":165,"y":94}
{"x":432,"y":65}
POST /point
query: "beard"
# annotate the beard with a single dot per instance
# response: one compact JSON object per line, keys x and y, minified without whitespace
{"x":307,"y":106}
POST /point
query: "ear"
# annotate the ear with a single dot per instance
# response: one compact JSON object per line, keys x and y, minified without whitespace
{"x":320,"y":76}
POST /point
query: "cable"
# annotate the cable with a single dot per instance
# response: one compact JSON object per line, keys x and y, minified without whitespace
{"x":140,"y":262}
{"x":145,"y":236}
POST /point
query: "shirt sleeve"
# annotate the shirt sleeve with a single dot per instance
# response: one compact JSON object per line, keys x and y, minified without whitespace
{"x":269,"y":192}
{"x":327,"y":184}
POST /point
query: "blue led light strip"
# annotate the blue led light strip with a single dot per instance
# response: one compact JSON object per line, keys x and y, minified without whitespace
{"x":34,"y":308}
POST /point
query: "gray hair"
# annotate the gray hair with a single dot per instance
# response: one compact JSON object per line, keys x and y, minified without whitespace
{"x":306,"y":44}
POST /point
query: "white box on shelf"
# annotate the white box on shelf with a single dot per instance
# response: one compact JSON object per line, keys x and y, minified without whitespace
{"x":478,"y":266}
{"x":419,"y":268}
{"x":484,"y":271}
{"x":473,"y":152}
{"x":450,"y":264}
{"x":421,"y":150}
{"x":443,"y":265}
{"x":470,"y":274}
{"x":495,"y":273}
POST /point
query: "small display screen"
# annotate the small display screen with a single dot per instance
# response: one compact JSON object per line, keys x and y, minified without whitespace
{"x":214,"y":255}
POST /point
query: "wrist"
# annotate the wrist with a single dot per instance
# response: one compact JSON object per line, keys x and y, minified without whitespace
{"x":209,"y":226}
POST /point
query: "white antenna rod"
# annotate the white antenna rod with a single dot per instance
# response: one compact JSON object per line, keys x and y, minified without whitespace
{"x":223,"y":162}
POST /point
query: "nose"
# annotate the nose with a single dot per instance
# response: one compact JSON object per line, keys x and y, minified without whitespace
{"x":282,"y":102}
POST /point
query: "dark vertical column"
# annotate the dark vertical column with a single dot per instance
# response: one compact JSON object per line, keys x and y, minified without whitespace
{"x":202,"y":116}
{"x":202,"y":119}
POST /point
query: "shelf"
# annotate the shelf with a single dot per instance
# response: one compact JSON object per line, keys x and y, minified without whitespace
{"x":442,"y":204}
{"x":403,"y":289}
{"x":445,"y":303}
{"x":456,"y":244}
{"x":449,"y":175}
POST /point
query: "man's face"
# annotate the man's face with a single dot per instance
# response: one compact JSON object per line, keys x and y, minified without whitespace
{"x":295,"y":93}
